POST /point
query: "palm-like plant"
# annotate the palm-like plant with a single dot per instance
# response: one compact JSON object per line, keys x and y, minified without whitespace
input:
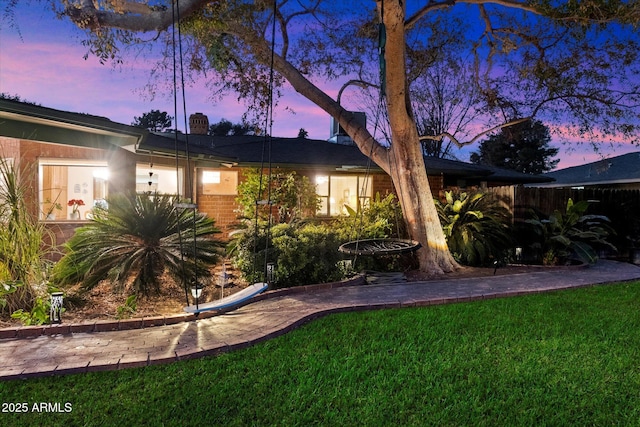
{"x":571,"y":233}
{"x":477,"y":227}
{"x":136,"y":239}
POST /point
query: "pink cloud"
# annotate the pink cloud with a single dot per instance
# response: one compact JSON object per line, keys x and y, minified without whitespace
{"x":54,"y":74}
{"x":47,"y":67}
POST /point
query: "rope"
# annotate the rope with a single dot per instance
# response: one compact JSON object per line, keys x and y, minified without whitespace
{"x":382,"y":39}
{"x":175,"y":141}
{"x":266,"y":147}
{"x":175,"y":10}
{"x":363,"y":191}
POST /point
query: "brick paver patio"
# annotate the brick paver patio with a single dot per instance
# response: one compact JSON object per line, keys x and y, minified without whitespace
{"x":77,"y":352}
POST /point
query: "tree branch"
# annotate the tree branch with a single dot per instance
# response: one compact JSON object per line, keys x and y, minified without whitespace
{"x":459,"y":144}
{"x":596,"y":14}
{"x":437,"y":5}
{"x":127,"y":15}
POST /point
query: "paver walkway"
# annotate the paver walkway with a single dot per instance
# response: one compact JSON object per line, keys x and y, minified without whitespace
{"x":84,"y":352}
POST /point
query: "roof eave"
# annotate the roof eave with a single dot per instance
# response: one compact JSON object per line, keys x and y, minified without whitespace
{"x":31,"y":122}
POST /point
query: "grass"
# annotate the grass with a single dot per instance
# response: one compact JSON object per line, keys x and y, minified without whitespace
{"x":563,"y":358}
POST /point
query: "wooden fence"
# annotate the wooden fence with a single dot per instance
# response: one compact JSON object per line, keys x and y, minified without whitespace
{"x":621,"y":206}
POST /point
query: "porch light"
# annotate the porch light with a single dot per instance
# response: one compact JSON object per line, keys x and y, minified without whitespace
{"x":101,"y":173}
{"x":55,"y":312}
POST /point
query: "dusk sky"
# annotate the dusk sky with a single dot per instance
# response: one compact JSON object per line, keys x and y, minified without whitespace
{"x":44,"y":63}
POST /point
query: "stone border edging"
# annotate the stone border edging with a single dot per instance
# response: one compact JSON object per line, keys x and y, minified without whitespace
{"x":152,"y":321}
{"x":225,"y":348}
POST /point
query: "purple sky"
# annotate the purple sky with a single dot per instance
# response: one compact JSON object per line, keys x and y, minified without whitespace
{"x":44,"y":64}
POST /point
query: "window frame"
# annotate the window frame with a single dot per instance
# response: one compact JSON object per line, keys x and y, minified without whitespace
{"x":362,"y":181}
{"x":79,"y":190}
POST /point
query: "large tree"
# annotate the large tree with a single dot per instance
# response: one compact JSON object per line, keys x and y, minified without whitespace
{"x":573,"y":62}
{"x":523,"y":147}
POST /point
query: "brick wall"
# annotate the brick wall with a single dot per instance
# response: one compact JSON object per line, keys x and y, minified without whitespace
{"x":60,"y":232}
{"x":9,"y":148}
{"x":221,"y":209}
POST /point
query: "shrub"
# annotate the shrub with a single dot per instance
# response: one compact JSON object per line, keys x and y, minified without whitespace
{"x":477,"y":227}
{"x":302,"y":253}
{"x":24,"y":263}
{"x":135,"y":240}
{"x":38,"y":315}
{"x":293,"y":195}
{"x":570,"y":234}
{"x":306,"y":252}
{"x":380,"y":219}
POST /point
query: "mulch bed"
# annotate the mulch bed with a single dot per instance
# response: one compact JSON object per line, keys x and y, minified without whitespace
{"x":102,"y":303}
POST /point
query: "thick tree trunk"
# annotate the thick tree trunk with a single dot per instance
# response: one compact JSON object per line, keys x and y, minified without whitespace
{"x":414,"y":193}
{"x":407,"y":163}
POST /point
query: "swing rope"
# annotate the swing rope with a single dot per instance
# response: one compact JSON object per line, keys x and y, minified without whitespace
{"x":379,"y":246}
{"x":266,"y":159}
{"x":240,"y":297}
{"x":189,"y":202}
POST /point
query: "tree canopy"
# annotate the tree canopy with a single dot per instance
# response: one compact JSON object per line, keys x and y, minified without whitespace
{"x":523,"y":147}
{"x":225,"y":128}
{"x":574,"y":65}
{"x":154,"y":120}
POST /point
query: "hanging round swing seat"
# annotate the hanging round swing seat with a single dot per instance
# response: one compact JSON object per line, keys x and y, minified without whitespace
{"x":379,"y":247}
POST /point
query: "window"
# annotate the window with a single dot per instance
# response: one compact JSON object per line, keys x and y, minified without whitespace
{"x":69,"y":189}
{"x":338,"y":191}
{"x":160,"y":179}
{"x":220,"y":182}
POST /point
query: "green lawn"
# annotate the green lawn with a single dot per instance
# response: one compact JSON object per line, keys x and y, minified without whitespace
{"x":563,"y":358}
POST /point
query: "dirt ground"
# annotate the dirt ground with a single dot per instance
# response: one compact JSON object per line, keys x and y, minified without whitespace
{"x":102,"y":303}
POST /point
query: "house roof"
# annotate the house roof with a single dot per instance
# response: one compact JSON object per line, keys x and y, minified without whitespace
{"x":302,"y":153}
{"x":510,"y":176}
{"x":622,"y":169}
{"x":34,"y":122}
{"x":37,"y":123}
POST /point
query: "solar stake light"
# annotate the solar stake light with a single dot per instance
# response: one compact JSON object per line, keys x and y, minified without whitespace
{"x":223,"y":279}
{"x":271,"y":272}
{"x":518,"y":254}
{"x":346,"y":265}
{"x":55,"y":312}
{"x":196,"y":291}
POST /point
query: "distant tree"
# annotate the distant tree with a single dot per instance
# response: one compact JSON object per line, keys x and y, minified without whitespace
{"x":5,"y":95}
{"x":445,"y":100}
{"x":243,"y":128}
{"x":523,"y":147}
{"x":302,"y":133}
{"x":225,"y":128}
{"x":222,"y":128}
{"x":154,"y":120}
